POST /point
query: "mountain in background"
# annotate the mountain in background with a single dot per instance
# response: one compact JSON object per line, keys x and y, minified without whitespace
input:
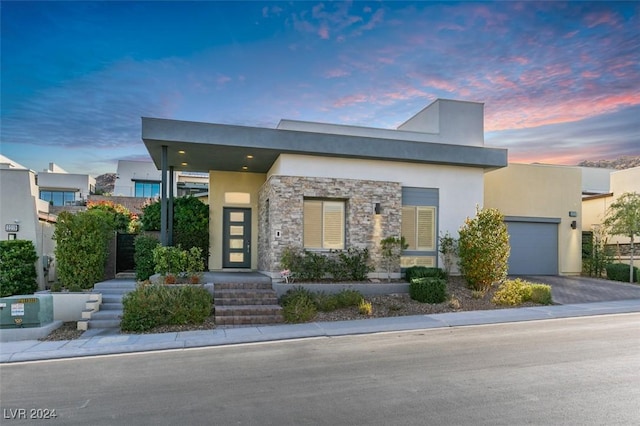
{"x":105,"y":183}
{"x":621,"y":163}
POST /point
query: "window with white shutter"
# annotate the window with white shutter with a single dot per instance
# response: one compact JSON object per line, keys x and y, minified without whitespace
{"x":419,"y":227}
{"x":323,"y":224}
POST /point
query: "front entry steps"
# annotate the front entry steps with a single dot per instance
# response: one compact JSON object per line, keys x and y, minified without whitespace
{"x":244,"y":304}
{"x":108,"y":314}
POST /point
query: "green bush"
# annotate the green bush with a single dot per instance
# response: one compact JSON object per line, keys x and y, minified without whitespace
{"x":154,"y":305}
{"x":340,"y":265}
{"x":428,"y":290}
{"x":620,"y":272}
{"x":82,"y":247}
{"x":169,"y":260}
{"x":17,"y":268}
{"x":424,"y":272}
{"x":483,"y":249}
{"x":346,"y":298}
{"x":190,"y":223}
{"x":351,"y":264}
{"x":143,"y":256}
{"x":298,"y":305}
{"x":325,"y":302}
{"x":516,"y":292}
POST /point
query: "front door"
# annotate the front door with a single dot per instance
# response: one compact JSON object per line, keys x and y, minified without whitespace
{"x":236,"y":244}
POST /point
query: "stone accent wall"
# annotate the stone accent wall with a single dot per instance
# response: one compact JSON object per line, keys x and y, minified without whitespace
{"x":281,"y":207}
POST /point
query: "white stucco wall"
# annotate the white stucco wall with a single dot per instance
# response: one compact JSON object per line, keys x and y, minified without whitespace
{"x":129,"y":170}
{"x":19,"y":204}
{"x":460,"y":188}
{"x":80,"y":184}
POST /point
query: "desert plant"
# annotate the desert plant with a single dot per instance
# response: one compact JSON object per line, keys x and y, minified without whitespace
{"x":347,"y":297}
{"x":298,"y":305}
{"x":596,"y":255}
{"x":355,"y":262}
{"x":17,"y":268}
{"x":428,"y":290}
{"x":365,"y":307}
{"x":391,"y":252}
{"x":143,"y":256}
{"x":483,"y":249}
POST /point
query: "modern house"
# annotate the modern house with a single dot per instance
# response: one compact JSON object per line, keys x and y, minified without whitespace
{"x":322,"y":186}
{"x":61,"y":188}
{"x":24,"y":216}
{"x":141,"y":179}
{"x":594,"y":207}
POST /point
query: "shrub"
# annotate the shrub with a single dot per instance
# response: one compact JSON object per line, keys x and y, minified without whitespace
{"x":428,"y":290}
{"x":298,"y":305}
{"x":355,"y":264}
{"x":347,"y":298}
{"x":169,"y":260}
{"x":448,"y":248}
{"x":143,"y":256}
{"x":325,"y":302}
{"x":516,"y":292}
{"x":483,"y":249}
{"x":190,"y":223}
{"x":424,"y":272}
{"x":17,"y":268}
{"x":154,"y":305}
{"x":365,"y":307}
{"x":119,"y":215}
{"x":82,"y":247}
{"x":620,"y":272}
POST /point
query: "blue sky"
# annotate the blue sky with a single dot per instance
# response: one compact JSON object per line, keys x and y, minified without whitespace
{"x":560,"y":80}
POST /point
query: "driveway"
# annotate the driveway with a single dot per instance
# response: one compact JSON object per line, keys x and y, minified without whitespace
{"x":567,"y":290}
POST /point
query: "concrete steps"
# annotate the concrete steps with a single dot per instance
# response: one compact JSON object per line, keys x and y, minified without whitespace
{"x":109,"y":312}
{"x":238,"y":304}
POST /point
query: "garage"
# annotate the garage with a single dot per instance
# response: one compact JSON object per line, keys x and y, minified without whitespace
{"x":534,"y":245}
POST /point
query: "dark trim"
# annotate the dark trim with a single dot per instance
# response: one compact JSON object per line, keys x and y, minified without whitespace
{"x":532,"y":219}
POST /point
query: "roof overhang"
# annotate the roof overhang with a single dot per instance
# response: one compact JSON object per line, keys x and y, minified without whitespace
{"x":201,"y":147}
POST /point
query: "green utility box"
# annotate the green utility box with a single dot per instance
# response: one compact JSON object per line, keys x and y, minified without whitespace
{"x":29,"y":311}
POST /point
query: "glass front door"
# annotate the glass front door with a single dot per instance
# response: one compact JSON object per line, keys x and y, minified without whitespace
{"x":236,"y":245}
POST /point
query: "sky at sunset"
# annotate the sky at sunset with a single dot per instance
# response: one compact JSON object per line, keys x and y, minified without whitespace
{"x":560,"y":81}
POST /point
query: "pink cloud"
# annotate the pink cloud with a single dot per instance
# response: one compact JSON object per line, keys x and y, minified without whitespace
{"x":323,"y":32}
{"x":336,"y":73}
{"x":602,"y":18}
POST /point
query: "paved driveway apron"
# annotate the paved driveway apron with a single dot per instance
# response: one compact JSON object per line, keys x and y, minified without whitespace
{"x":567,"y":290}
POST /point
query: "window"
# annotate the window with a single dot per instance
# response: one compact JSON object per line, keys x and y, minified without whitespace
{"x":147,"y":189}
{"x":323,"y":224}
{"x":419,"y":227}
{"x":58,"y":198}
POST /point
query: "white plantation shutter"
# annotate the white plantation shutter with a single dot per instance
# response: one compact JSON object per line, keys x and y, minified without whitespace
{"x":426,"y":228}
{"x":323,"y":224}
{"x":419,"y":227}
{"x":333,"y":235}
{"x":408,"y":227}
{"x":312,"y":232}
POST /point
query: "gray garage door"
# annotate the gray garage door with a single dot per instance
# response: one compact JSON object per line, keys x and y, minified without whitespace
{"x":534,"y":246}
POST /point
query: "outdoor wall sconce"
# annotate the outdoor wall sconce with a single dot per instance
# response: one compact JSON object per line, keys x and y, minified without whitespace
{"x":377,"y":208}
{"x":574,"y":224}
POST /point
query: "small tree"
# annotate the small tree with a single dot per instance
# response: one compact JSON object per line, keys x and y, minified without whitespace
{"x":448,"y":248}
{"x":483,"y":249}
{"x":623,"y":218}
{"x":391,"y":252}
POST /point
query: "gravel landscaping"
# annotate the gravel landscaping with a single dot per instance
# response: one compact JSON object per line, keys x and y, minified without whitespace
{"x":460,"y":299}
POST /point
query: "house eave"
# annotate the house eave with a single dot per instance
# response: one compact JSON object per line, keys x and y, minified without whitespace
{"x":208,"y":146}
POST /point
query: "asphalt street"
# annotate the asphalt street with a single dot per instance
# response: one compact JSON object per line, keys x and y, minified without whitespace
{"x":570,"y":371}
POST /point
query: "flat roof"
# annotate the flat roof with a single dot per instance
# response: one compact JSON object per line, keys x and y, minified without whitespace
{"x":194,"y":146}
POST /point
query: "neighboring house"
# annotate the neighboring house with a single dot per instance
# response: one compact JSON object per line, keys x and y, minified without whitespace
{"x":542,"y":209}
{"x":594,"y":207}
{"x":63,"y":189}
{"x":24,"y":216}
{"x":142,"y":179}
{"x":321,"y":186}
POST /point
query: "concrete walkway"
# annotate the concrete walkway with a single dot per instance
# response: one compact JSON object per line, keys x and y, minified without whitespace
{"x":33,"y":350}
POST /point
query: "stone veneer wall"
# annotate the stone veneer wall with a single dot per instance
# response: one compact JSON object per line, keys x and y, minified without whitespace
{"x":281,"y":206}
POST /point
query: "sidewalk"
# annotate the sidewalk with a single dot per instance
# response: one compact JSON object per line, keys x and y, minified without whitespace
{"x":33,"y":350}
